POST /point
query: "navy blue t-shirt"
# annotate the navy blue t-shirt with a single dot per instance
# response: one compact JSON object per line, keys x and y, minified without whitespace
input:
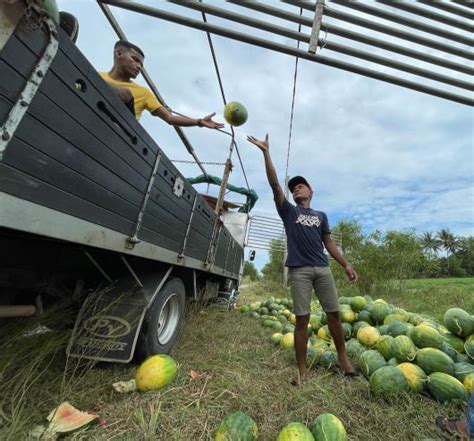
{"x":304,"y":231}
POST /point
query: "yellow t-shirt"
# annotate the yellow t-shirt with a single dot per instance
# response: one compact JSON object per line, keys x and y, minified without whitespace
{"x":143,"y":98}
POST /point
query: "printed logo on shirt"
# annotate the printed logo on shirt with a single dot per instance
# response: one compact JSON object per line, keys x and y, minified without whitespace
{"x":308,"y":220}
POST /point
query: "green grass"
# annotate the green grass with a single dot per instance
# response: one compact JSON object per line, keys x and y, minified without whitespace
{"x":241,"y":370}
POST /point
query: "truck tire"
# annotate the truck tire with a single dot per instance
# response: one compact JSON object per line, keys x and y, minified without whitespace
{"x":163,"y":320}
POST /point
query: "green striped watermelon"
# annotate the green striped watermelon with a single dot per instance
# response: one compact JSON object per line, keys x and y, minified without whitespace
{"x":356,"y":326}
{"x":295,"y":432}
{"x":237,"y":426}
{"x":287,"y":341}
{"x":392,"y":362}
{"x":469,"y":347}
{"x":403,"y":348}
{"x":385,"y":346}
{"x":364,"y":316}
{"x":459,"y":322}
{"x":358,"y":303}
{"x":462,"y":370}
{"x":328,"y":359}
{"x":414,"y":375}
{"x":368,"y":336}
{"x":426,"y":337}
{"x":455,"y":341}
{"x":379,"y":311}
{"x":155,"y":372}
{"x":388,"y":380}
{"x":354,"y":348}
{"x":433,"y":360}
{"x":445,"y":388}
{"x":449,"y":350}
{"x":328,"y":427}
{"x":370,"y":361}
{"x":399,"y":328}
{"x":276,"y":337}
{"x":383,"y":329}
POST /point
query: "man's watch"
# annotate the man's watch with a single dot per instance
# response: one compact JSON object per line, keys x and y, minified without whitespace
{"x":199,"y":122}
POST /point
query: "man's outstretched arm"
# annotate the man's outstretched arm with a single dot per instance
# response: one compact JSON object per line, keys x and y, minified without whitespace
{"x":272,"y":177}
{"x":183,"y":121}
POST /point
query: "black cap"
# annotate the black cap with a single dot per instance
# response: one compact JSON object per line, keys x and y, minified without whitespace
{"x":293,"y":182}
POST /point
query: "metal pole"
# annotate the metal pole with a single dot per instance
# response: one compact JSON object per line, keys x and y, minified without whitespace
{"x":423,"y":12}
{"x":439,"y":31}
{"x":218,"y":30}
{"x":118,"y":30}
{"x":336,"y":30}
{"x":336,"y":47}
{"x":339,"y":15}
{"x":449,"y":7}
{"x":318,"y":16}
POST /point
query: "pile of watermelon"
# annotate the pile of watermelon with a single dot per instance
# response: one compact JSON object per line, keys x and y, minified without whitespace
{"x":239,"y":426}
{"x":394,"y":349}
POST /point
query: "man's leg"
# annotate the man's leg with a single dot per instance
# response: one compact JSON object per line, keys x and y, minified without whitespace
{"x":301,"y":284}
{"x":301,"y":343}
{"x":325,"y":288}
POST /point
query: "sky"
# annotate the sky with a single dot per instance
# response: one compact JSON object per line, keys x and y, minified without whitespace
{"x":389,"y":157}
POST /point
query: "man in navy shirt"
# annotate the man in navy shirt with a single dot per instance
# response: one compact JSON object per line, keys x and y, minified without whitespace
{"x":308,"y":233}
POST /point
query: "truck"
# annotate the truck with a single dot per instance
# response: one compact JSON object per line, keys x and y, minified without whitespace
{"x":92,"y":209}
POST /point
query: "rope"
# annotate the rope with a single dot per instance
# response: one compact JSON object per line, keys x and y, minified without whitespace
{"x":292,"y":103}
{"x":185,"y":161}
{"x":219,"y":79}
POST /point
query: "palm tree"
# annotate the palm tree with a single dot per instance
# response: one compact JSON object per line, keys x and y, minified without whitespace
{"x":430,"y":242}
{"x":448,"y":241}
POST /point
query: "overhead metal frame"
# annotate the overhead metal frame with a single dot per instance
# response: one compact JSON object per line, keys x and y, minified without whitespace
{"x":414,"y":69}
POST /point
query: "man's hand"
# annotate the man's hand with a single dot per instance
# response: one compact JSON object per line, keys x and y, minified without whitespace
{"x":264,"y":146}
{"x":351,"y":274}
{"x":209,"y":123}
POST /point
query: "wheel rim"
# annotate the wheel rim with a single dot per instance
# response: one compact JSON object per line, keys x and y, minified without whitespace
{"x":168,"y":319}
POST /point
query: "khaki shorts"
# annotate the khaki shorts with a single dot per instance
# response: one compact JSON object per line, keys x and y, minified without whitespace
{"x":302,"y":281}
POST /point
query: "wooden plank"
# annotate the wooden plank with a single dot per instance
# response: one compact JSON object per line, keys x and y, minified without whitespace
{"x":36,"y":164}
{"x":31,"y":189}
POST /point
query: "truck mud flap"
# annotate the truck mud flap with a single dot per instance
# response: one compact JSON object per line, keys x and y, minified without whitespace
{"x":110,"y":320}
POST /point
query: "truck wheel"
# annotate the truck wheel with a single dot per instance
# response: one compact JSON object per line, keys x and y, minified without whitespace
{"x":163,"y":320}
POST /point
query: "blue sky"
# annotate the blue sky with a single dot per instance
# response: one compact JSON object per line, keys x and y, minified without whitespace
{"x":390,"y":157}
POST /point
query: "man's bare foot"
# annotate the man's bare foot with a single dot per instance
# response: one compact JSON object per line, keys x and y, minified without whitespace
{"x":300,"y":377}
{"x":346,"y":367}
{"x":453,"y":426}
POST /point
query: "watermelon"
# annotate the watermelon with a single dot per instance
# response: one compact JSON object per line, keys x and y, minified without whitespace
{"x":317,"y":342}
{"x":459,"y":322}
{"x":237,"y":426}
{"x":347,"y":330}
{"x":268,"y":323}
{"x":288,"y":328}
{"x":383,"y":329}
{"x":344,"y":300}
{"x":399,"y":328}
{"x":469,"y":347}
{"x":368,"y":336}
{"x":357,"y":303}
{"x":354,"y":348}
{"x":356,"y":326}
{"x":462,"y":370}
{"x":295,"y":432}
{"x":463,"y":358}
{"x":264,"y":311}
{"x":277,"y":326}
{"x":347,"y":315}
{"x":315,"y":322}
{"x":391,"y":318}
{"x":426,"y":337}
{"x":388,"y":380}
{"x":392,"y":362}
{"x":433,"y":360}
{"x":449,"y":350}
{"x":385,"y":346}
{"x":276,"y":338}
{"x":402,"y":315}
{"x":155,"y":372}
{"x":66,"y":419}
{"x":364,"y":316}
{"x":328,"y":359}
{"x":370,"y":361}
{"x":379,"y":311}
{"x":469,"y":383}
{"x":445,"y":388}
{"x":414,"y":375}
{"x":235,"y":114}
{"x":287,"y":341}
{"x":324,"y":333}
{"x":403,"y":348}
{"x":244,"y":308}
{"x":328,"y":427}
{"x":313,"y":356}
{"x":456,"y":342}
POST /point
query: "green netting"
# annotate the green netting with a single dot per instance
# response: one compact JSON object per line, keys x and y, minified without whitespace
{"x":251,"y":194}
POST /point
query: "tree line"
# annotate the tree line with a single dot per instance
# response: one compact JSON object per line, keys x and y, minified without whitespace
{"x":380,"y":257}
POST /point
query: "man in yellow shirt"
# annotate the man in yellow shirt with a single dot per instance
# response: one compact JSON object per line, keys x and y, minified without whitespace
{"x":128,"y":63}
